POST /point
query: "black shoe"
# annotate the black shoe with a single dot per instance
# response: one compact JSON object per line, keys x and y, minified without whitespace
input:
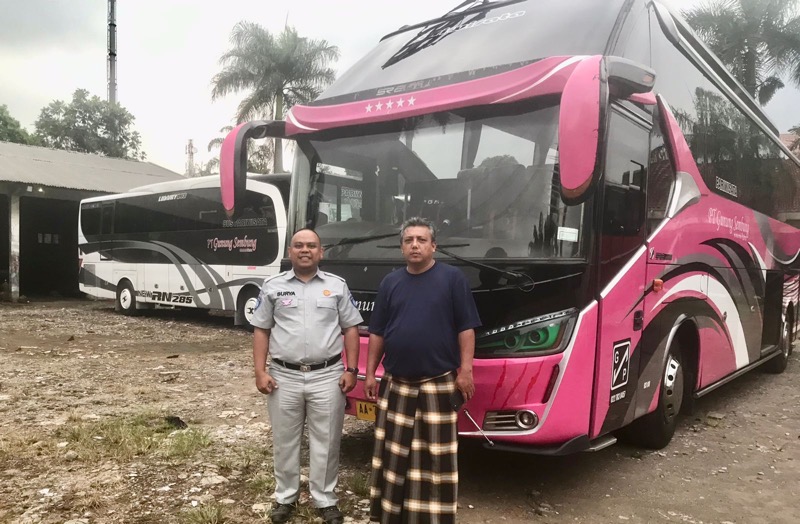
{"x":281,"y":512}
{"x":331,"y":515}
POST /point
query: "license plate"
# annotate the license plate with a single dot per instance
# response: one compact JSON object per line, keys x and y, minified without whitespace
{"x":365,"y":410}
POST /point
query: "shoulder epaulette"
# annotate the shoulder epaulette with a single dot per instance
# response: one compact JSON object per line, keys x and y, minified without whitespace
{"x":274,"y":277}
{"x":332,"y":275}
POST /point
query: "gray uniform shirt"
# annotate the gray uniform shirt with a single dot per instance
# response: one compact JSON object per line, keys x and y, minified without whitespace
{"x":305,"y":318}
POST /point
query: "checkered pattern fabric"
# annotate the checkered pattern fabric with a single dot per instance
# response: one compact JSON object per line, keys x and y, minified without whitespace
{"x":415,"y":463}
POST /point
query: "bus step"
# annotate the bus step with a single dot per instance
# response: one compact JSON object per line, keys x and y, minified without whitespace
{"x":769,"y":349}
{"x":602,"y":443}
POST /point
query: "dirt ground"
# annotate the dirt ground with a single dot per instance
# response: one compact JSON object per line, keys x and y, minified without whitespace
{"x":154,"y":418}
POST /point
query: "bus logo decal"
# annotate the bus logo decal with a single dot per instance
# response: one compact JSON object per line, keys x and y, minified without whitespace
{"x":621,"y":366}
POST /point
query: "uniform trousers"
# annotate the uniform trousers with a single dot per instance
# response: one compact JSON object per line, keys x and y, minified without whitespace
{"x":313,"y":397}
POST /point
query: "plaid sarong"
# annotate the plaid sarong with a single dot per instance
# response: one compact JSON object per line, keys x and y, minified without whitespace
{"x":415,"y":462}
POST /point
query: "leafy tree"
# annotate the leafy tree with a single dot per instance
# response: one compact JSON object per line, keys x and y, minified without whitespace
{"x":90,"y":125}
{"x":759,"y":40}
{"x":10,"y":128}
{"x":278,"y":72}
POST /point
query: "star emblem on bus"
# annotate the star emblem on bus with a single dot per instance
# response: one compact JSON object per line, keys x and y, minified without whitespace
{"x":390,"y":104}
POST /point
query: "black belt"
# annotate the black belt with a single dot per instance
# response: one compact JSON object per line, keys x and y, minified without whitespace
{"x":308,"y":367}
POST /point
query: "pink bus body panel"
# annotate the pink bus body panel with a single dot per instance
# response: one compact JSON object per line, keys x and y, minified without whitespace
{"x":705,"y":226}
{"x":545,"y":77}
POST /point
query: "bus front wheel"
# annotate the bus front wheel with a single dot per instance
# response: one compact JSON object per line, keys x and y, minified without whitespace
{"x":246,"y":306}
{"x":126,"y":298}
{"x":655,"y":430}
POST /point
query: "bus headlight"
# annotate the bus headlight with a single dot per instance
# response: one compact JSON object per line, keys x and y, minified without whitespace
{"x":542,"y":335}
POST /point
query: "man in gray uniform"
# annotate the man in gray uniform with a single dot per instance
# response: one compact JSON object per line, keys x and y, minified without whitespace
{"x":299,"y":320}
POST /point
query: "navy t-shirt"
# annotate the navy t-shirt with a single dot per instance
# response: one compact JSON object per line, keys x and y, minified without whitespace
{"x":420,"y":317}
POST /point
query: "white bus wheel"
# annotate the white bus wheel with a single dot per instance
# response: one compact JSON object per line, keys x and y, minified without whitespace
{"x":248,"y":299}
{"x":126,"y":298}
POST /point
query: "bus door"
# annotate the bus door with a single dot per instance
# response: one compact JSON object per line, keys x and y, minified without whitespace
{"x":622,"y":266}
{"x":155,"y":276}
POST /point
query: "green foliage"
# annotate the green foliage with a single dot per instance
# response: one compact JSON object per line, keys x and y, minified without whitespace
{"x":11,"y":130}
{"x":209,"y":514}
{"x":759,"y":40}
{"x":133,"y":436}
{"x":89,"y":124}
{"x":276,"y":71}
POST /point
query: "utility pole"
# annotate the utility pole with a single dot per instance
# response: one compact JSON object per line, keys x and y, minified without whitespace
{"x":112,"y":52}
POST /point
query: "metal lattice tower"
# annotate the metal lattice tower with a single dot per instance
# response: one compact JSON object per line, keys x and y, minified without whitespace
{"x":191,"y":169}
{"x":112,"y":51}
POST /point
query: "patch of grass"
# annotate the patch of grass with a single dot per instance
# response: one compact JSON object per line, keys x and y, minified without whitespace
{"x":128,"y":437}
{"x":185,"y":443}
{"x":207,"y":514}
{"x":89,"y":501}
{"x":358,"y":483}
{"x":262,"y":484}
{"x":248,"y":458}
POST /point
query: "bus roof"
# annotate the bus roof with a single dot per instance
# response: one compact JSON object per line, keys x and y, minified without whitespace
{"x":279,"y":180}
{"x":483,"y":40}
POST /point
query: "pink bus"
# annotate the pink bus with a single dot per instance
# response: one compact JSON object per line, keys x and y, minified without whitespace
{"x":620,"y":205}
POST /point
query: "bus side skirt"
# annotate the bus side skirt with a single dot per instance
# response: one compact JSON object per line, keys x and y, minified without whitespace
{"x":763,"y":360}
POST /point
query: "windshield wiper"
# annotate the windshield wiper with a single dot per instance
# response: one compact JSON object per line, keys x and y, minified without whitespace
{"x":521,"y":281}
{"x":360,"y":240}
{"x":438,"y":28}
{"x":484,"y":5}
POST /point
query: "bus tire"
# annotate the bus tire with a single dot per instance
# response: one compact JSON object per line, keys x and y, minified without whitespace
{"x":777,"y":365}
{"x":126,"y":298}
{"x":655,"y":430}
{"x":245,"y":305}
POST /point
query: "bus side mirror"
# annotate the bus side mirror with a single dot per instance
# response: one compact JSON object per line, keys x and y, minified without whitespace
{"x":626,"y":78}
{"x":584,"y":104}
{"x":233,"y":159}
{"x":579,"y":130}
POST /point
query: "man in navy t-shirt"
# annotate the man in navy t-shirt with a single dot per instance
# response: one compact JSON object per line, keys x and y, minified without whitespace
{"x":423,"y":329}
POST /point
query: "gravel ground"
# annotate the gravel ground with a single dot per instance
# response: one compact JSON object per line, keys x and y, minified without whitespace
{"x":155,"y":419}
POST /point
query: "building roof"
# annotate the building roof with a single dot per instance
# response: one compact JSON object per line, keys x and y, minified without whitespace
{"x":57,"y":168}
{"x":789,"y":139}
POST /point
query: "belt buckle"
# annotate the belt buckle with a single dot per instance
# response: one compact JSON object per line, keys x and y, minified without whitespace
{"x":305,"y":367}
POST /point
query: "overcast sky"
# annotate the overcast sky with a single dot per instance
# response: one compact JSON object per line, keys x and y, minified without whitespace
{"x":168,"y":51}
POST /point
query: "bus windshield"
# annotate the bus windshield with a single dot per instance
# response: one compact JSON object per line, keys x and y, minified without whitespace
{"x":486,"y":177}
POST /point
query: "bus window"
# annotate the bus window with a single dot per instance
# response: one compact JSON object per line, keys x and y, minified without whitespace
{"x":626,"y":166}
{"x":660,"y":180}
{"x":91,"y":219}
{"x":108,"y":218}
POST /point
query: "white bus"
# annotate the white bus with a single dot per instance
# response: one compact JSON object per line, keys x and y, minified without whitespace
{"x":172,"y":244}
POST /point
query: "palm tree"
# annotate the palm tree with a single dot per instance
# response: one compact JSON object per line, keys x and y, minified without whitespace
{"x":759,"y":40}
{"x":278,"y":72}
{"x":258,"y":158}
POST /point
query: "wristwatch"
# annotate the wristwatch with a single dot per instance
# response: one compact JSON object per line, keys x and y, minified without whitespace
{"x":354,"y":371}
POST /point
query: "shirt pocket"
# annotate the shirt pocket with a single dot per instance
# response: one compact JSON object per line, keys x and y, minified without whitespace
{"x":327,"y":303}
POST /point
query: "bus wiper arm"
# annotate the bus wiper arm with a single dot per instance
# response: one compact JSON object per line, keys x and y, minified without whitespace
{"x":359,"y":240}
{"x":521,"y":281}
{"x":453,"y":13}
{"x":439,"y":28}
